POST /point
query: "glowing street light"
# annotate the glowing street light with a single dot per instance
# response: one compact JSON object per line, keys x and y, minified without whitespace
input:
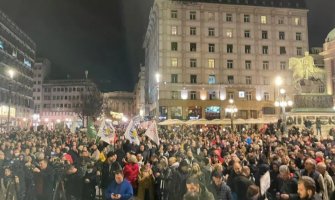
{"x":232,"y":109}
{"x":283,"y":102}
{"x":278,"y":81}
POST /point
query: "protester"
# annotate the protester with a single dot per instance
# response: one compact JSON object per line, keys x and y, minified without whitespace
{"x":119,"y":188}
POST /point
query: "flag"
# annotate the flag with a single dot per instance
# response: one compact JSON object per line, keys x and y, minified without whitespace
{"x":152,"y":132}
{"x":91,"y":132}
{"x":131,"y":133}
{"x":145,"y":125}
{"x":107,"y":131}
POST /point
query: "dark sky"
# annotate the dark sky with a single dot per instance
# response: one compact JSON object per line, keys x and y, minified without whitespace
{"x":105,"y":36}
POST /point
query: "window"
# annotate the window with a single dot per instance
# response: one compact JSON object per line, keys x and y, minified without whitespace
{"x":211,"y":48}
{"x":263,"y":19}
{"x":297,"y":21}
{"x":174,"y":78}
{"x":266,"y":96}
{"x":248,"y":80}
{"x":229,"y":17}
{"x":247,"y":34}
{"x":230,"y":79}
{"x":266,"y":80}
{"x":211,"y":32}
{"x":229,"y":48}
{"x":211,"y":16}
{"x":248,"y":96}
{"x":282,"y":50}
{"x":248,"y":64}
{"x":281,"y":20}
{"x":264,"y":35}
{"x":211,"y":63}
{"x":247,"y":49}
{"x":193,"y":78}
{"x":174,"y":95}
{"x":321,"y":88}
{"x":283,"y":65}
{"x":193,"y":15}
{"x":211,"y":79}
{"x":281,"y":35}
{"x":265,"y":49}
{"x":193,"y":95}
{"x":298,"y":36}
{"x":229,"y":33}
{"x":299,"y":51}
{"x":174,"y":14}
{"x":246,"y":18}
{"x":174,"y":30}
{"x":193,"y":30}
{"x":265,"y":65}
{"x":14,"y":53}
{"x":193,"y":46}
{"x":230,"y":95}
{"x":1,"y":45}
{"x":174,"y":46}
{"x":174,"y":62}
{"x":230,"y":64}
{"x":193,"y":62}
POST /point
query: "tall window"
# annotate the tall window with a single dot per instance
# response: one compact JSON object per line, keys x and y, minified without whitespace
{"x":263,"y":19}
{"x":230,"y":95}
{"x":265,"y":65}
{"x":264,"y":34}
{"x":193,"y":15}
{"x":281,"y":20}
{"x":174,"y":14}
{"x":248,"y":96}
{"x":211,"y":48}
{"x":174,"y":46}
{"x":247,"y":49}
{"x":230,"y":79}
{"x":297,"y":21}
{"x":248,"y":80}
{"x":193,"y":46}
{"x":265,"y":49}
{"x":282,"y":50}
{"x":229,"y":17}
{"x":229,"y":33}
{"x":193,"y":78}
{"x":174,"y":78}
{"x":174,"y":30}
{"x":174,"y":62}
{"x":229,"y":48}
{"x":247,"y":34}
{"x":281,"y":35}
{"x":211,"y":63}
{"x":246,"y":18}
{"x":299,"y":51}
{"x":266,"y":96}
{"x":211,"y":79}
{"x":298,"y":36}
{"x":193,"y":30}
{"x":230,"y":64}
{"x":193,"y":95}
{"x":248,"y":64}
{"x":174,"y":95}
{"x":193,"y":62}
{"x":211,"y":32}
{"x":283,"y":65}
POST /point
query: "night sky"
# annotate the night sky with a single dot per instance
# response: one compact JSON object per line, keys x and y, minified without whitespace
{"x":105,"y":36}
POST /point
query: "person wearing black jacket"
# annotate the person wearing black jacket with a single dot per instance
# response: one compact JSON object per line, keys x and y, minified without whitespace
{"x":73,"y":183}
{"x":241,"y":184}
{"x":90,"y":180}
{"x":108,"y":170}
{"x":44,"y":180}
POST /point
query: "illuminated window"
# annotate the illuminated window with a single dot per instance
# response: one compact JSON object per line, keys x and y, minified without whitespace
{"x":297,"y":21}
{"x":229,"y":17}
{"x":27,"y":62}
{"x":229,"y":33}
{"x":174,"y":62}
{"x":248,"y":64}
{"x":14,"y":53}
{"x":211,"y":79}
{"x":174,"y":14}
{"x":263,"y":19}
{"x":1,"y":45}
{"x":211,"y":63}
{"x":174,"y":30}
{"x":230,"y":64}
{"x":211,"y":32}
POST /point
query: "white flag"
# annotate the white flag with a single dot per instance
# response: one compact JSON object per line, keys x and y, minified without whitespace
{"x":107,"y":132}
{"x":265,"y":182}
{"x":152,"y":133}
{"x":131,"y":133}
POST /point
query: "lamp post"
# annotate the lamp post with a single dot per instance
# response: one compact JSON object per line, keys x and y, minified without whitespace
{"x":11,"y":76}
{"x":278,"y":83}
{"x":157,"y":76}
{"x":283,"y":102}
{"x":231,"y":108}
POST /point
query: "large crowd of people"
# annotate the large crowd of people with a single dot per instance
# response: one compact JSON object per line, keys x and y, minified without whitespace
{"x":190,"y":163}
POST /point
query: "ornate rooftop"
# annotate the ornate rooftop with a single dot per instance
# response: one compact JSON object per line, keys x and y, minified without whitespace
{"x":331,"y":36}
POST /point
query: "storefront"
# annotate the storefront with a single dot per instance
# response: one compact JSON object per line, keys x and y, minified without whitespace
{"x":176,"y":112}
{"x":212,"y":112}
{"x":194,"y":112}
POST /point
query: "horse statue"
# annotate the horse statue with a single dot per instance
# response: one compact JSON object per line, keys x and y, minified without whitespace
{"x":305,"y":69}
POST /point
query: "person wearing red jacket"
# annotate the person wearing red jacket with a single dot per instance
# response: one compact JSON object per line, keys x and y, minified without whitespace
{"x":131,"y":171}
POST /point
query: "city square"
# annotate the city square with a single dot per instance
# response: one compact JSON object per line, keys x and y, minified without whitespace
{"x":167,"y":100}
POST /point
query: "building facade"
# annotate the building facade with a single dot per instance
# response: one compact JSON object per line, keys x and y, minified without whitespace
{"x":329,"y":61}
{"x":41,"y":70}
{"x":119,"y":102}
{"x":139,"y":94}
{"x":17,"y":55}
{"x":200,"y":54}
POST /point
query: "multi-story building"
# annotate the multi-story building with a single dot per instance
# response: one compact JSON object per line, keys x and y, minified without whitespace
{"x":207,"y":52}
{"x":329,"y":61}
{"x":41,"y":70}
{"x":139,"y":93}
{"x":119,"y":102}
{"x":17,"y":54}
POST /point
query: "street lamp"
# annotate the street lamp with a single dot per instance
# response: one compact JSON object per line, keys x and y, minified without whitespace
{"x":283,"y":102}
{"x":11,"y":74}
{"x":231,"y":108}
{"x":278,"y":82}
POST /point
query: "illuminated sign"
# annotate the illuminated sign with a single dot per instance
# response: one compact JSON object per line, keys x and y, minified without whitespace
{"x":4,"y":111}
{"x":241,"y":94}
